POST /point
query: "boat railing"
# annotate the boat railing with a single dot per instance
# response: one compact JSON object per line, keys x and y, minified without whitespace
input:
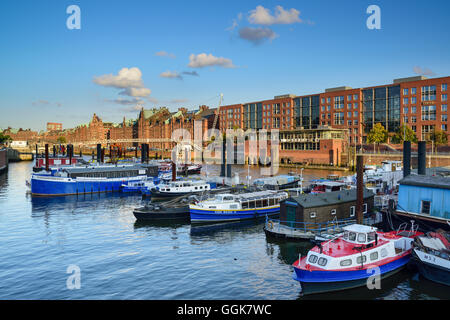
{"x":332,"y":226}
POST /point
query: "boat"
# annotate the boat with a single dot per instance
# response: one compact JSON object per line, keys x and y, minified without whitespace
{"x":431,"y":256}
{"x":189,"y":169}
{"x":175,"y":209}
{"x":278,"y":182}
{"x":233,"y":207}
{"x":89,"y":179}
{"x":354,"y":258}
{"x":179,"y":188}
{"x":323,"y":186}
{"x":139,"y":186}
{"x":56,"y":161}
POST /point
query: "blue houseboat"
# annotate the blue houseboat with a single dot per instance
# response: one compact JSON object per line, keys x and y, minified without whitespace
{"x":424,"y":199}
{"x":90,"y":179}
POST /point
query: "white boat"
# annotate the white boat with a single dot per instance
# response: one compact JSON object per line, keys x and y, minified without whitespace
{"x":179,"y":188}
{"x":230,"y":207}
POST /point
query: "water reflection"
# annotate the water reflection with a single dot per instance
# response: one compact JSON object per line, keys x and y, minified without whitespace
{"x":211,"y":230}
{"x":288,"y":250}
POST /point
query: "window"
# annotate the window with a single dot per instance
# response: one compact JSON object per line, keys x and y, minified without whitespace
{"x":413,"y":119}
{"x":333,"y":212}
{"x":444,"y":97}
{"x":425,"y":207}
{"x":312,"y":215}
{"x":428,"y":112}
{"x":352,"y":236}
{"x":405,"y":92}
{"x":312,"y":258}
{"x":405,"y":100}
{"x":405,"y":110}
{"x":374,"y":256}
{"x":443,"y":117}
{"x":371,"y":236}
{"x":413,"y":90}
{"x":323,"y":100}
{"x":328,"y":100}
{"x":413,"y":100}
{"x":365,"y":208}
{"x":428,"y":93}
{"x":413,"y":109}
{"x":361,"y":237}
{"x":444,"y":108}
{"x":444,"y":87}
{"x":349,"y":114}
{"x":405,"y":119}
{"x":355,"y":114}
{"x":322,"y":262}
{"x":346,"y":263}
{"x":355,"y":97}
{"x":323,"y":108}
{"x":349,"y":97}
{"x":361,"y":259}
{"x":355,"y":122}
{"x":352,"y":211}
{"x":383,"y":252}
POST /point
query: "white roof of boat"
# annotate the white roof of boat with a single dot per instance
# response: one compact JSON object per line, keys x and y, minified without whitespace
{"x":259,"y":194}
{"x":359,"y":228}
{"x":432,"y":243}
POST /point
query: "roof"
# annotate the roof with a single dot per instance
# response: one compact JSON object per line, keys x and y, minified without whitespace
{"x":437,"y":182}
{"x":359,"y":228}
{"x":310,"y":200}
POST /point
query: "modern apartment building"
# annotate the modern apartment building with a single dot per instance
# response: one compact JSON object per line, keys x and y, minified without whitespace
{"x":418,"y":102}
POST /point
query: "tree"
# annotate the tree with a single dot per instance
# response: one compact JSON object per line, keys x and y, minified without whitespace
{"x":4,"y":138}
{"x":378,"y":134}
{"x":61,"y":140}
{"x":404,"y":133}
{"x":439,"y":137}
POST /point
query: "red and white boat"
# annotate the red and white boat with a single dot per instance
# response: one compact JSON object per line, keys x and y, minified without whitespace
{"x":348,"y":261}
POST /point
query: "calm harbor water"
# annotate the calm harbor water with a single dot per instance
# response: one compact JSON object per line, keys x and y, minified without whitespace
{"x":122,"y":259}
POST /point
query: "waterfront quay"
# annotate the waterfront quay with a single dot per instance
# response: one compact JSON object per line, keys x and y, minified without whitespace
{"x":45,"y":239}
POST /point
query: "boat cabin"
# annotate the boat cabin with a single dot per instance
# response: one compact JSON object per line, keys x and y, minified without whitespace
{"x":359,"y":234}
{"x":253,"y":200}
{"x":184,"y":186}
{"x":328,"y":186}
{"x":323,"y":207}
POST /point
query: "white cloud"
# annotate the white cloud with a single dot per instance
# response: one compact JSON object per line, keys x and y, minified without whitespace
{"x":207,"y":60}
{"x":136,"y":92}
{"x":126,"y":78}
{"x":257,"y":35}
{"x":171,"y":75}
{"x":423,"y":72}
{"x":165,"y":54}
{"x":263,"y":16}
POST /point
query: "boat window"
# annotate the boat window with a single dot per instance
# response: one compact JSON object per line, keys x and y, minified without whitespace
{"x":346,"y":235}
{"x":352,"y":211}
{"x":346,"y":263}
{"x":361,"y":237}
{"x":233,"y":206}
{"x":365,"y":208}
{"x":322,"y":262}
{"x":352,"y":236}
{"x":167,"y":189}
{"x":195,"y":188}
{"x":265,"y":202}
{"x":425,"y":207}
{"x":312,"y":259}
{"x":312,"y":214}
{"x":361,"y":259}
{"x":271,"y":202}
{"x":258,"y":203}
{"x":374,"y":256}
{"x":333,"y":212}
{"x":371,"y":236}
{"x":228,"y":198}
{"x":244,"y":205}
{"x":212,"y":207}
{"x":251,"y":204}
{"x":383,"y":252}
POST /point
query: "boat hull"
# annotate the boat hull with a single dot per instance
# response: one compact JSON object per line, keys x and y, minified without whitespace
{"x":179,"y":213}
{"x":425,"y":223}
{"x":431,"y":271}
{"x":203,"y":215}
{"x":62,"y":187}
{"x":313,"y":282}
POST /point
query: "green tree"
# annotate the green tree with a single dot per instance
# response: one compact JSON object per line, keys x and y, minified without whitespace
{"x":61,"y":139}
{"x":404,"y":133}
{"x":439,"y":137}
{"x":4,"y":138}
{"x":378,"y":135}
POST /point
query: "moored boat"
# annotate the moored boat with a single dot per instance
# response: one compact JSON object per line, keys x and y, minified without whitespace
{"x":179,"y":188}
{"x":232,"y":207}
{"x":431,"y":255}
{"x":353,"y":259}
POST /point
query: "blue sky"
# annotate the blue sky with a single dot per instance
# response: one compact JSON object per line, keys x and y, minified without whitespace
{"x":48,"y":71}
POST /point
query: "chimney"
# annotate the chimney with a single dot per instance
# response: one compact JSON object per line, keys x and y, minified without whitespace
{"x":406,"y":158}
{"x":422,"y":154}
{"x":359,"y":189}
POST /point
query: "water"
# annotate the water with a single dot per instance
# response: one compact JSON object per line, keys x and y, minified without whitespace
{"x":122,"y":259}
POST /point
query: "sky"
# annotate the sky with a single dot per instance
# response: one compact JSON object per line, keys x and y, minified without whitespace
{"x":128,"y":54}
